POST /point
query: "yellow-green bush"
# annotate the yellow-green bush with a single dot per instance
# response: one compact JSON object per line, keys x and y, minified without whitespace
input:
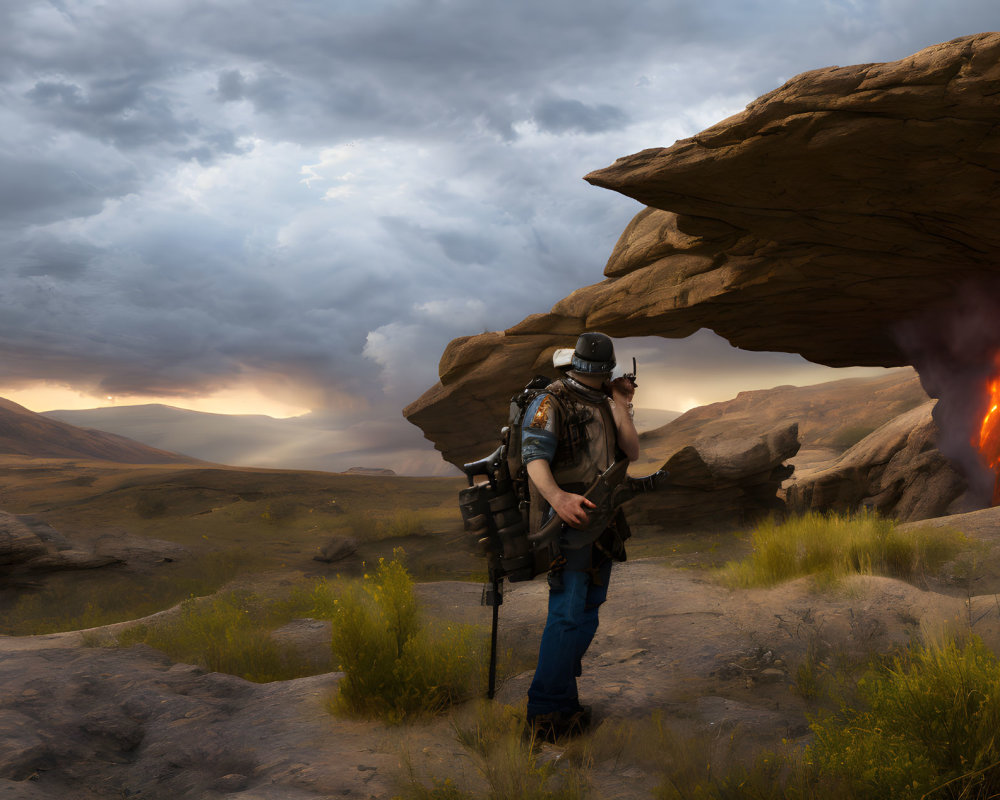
{"x":395,"y":666}
{"x":831,"y":546}
{"x":400,"y":523}
{"x":929,"y":727}
{"x":922,"y":727}
{"x":227,"y":633}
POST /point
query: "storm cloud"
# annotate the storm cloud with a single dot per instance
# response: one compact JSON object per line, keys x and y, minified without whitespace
{"x":328,"y":193}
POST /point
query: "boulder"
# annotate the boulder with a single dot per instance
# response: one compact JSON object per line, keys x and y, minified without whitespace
{"x":337,"y":549}
{"x":896,"y":470}
{"x":817,"y":221}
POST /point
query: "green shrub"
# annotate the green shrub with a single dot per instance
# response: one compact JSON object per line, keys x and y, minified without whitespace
{"x":929,"y":727}
{"x":394,"y":666}
{"x":922,"y":727}
{"x":315,"y":601}
{"x":370,"y":527}
{"x":225,"y":633}
{"x":405,"y":523}
{"x":831,"y":546}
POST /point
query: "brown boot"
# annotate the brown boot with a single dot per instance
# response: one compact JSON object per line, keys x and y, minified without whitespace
{"x":558,"y":725}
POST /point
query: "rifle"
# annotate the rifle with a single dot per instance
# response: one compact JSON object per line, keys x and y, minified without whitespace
{"x":608,"y":492}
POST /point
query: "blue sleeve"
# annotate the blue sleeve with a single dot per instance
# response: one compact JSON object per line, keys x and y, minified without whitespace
{"x":538,"y":430}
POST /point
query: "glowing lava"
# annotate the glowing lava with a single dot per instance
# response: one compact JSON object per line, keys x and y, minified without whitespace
{"x":989,"y":436}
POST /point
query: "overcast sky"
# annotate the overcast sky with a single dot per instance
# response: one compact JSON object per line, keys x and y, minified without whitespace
{"x":298,"y":204}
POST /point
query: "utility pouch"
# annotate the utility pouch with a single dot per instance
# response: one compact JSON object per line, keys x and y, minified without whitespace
{"x":492,"y":515}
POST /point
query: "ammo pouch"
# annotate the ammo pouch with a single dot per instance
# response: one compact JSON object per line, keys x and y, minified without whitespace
{"x":492,"y":515}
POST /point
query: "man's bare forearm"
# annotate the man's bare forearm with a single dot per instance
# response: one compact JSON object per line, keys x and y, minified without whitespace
{"x":628,"y":436}
{"x":571,"y":508}
{"x":621,"y":402}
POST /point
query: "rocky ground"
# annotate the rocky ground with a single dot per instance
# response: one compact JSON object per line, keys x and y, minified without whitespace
{"x":93,"y":722}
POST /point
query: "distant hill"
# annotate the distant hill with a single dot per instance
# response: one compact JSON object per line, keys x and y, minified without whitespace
{"x":23,"y":432}
{"x":647,"y":419}
{"x":371,"y":471}
{"x":254,"y":440}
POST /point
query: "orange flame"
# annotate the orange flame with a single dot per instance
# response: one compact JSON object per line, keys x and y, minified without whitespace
{"x":989,"y":436}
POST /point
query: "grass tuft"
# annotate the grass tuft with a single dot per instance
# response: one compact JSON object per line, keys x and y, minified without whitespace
{"x":831,"y":546}
{"x":70,"y":602}
{"x":508,"y":765}
{"x":400,"y":523}
{"x":227,"y":633}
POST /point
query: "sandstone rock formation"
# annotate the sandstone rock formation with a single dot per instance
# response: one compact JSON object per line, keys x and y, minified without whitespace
{"x":896,"y":470}
{"x":829,"y":212}
{"x":721,"y":481}
{"x":832,"y":416}
{"x":28,"y":546}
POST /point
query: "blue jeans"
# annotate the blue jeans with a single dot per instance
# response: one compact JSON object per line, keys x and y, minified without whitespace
{"x":568,"y":633}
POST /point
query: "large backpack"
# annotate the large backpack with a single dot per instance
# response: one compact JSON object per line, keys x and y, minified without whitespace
{"x":496,"y":513}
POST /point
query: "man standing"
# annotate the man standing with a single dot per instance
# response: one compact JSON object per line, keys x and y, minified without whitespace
{"x":574,"y":430}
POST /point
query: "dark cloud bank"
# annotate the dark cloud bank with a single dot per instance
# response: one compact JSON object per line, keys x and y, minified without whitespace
{"x":331,"y":192}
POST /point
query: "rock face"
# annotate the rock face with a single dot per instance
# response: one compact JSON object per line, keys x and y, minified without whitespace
{"x":92,"y":723}
{"x":831,"y":416}
{"x":721,"y":482}
{"x":896,"y":470}
{"x":817,"y":221}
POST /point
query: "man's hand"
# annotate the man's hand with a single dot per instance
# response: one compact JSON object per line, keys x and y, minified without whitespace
{"x":622,"y":391}
{"x":572,"y":508}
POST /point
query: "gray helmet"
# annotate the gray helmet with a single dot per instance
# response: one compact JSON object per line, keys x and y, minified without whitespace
{"x":594,"y":353}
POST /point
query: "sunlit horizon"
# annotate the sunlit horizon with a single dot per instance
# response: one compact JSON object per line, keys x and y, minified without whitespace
{"x":41,"y":398}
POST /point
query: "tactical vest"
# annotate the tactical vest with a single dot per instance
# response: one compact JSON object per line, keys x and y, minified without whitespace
{"x":586,"y":446}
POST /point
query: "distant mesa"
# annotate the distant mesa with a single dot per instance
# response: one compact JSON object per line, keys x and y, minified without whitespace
{"x":25,"y":433}
{"x":370,"y":471}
